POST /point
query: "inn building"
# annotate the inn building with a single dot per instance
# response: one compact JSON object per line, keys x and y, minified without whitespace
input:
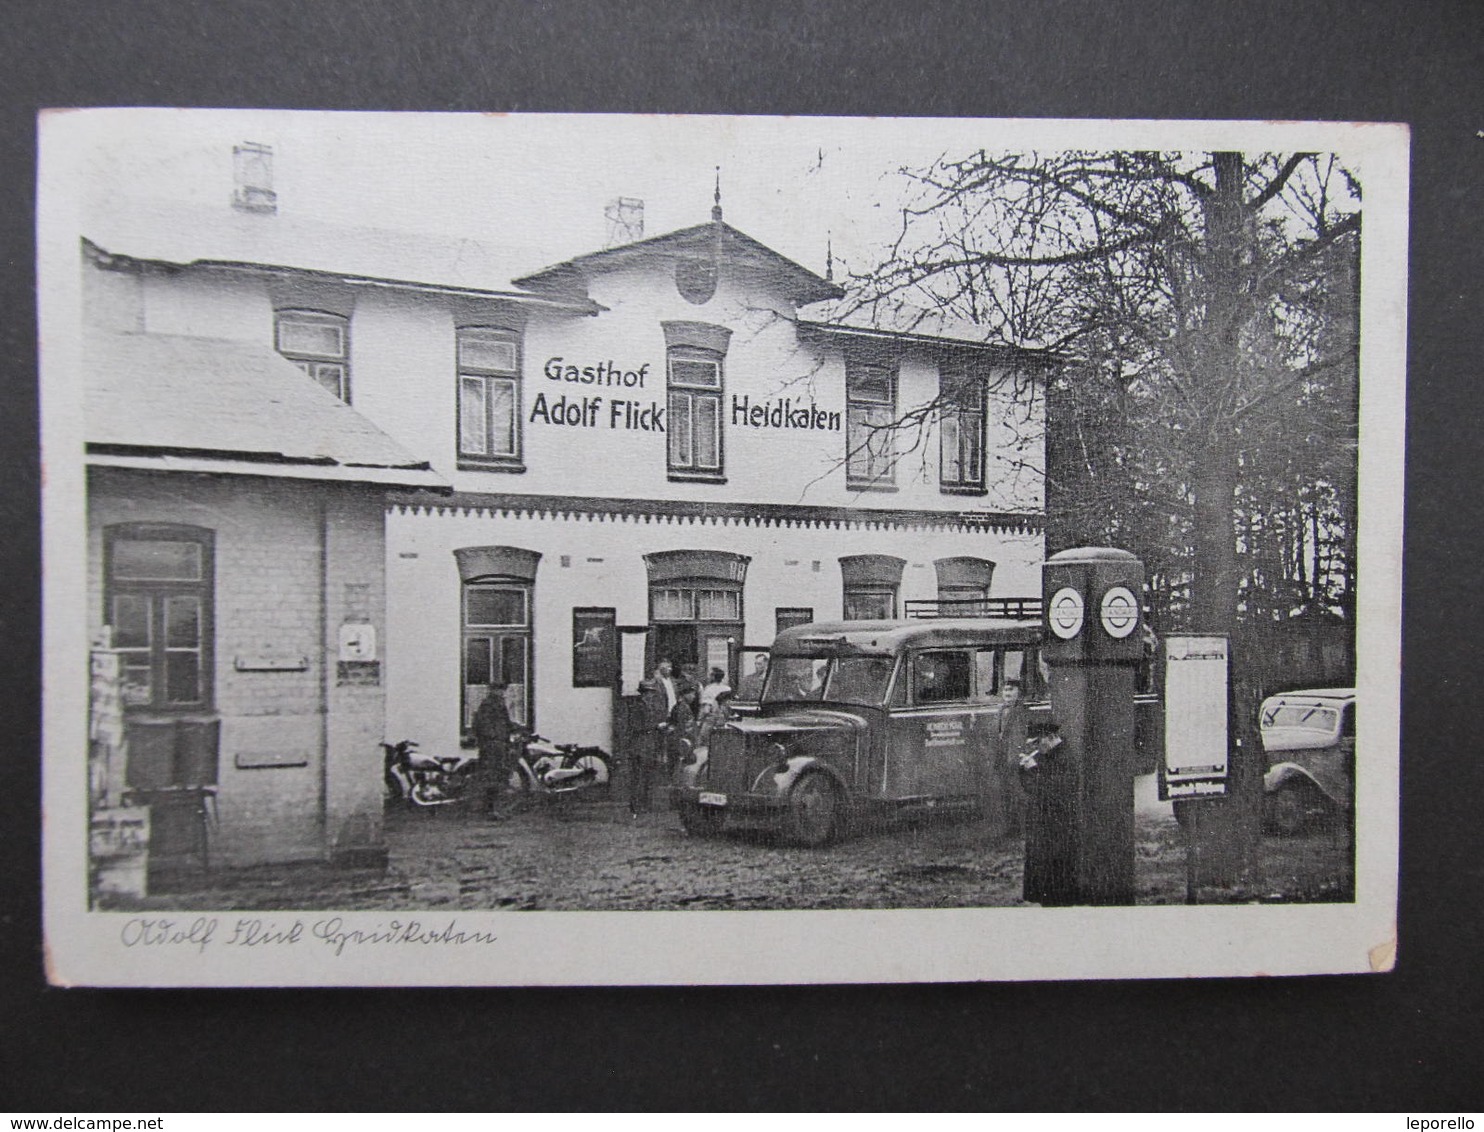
{"x":546,"y":474}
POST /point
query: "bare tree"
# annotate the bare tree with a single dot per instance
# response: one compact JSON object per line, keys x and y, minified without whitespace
{"x":1207,"y":420}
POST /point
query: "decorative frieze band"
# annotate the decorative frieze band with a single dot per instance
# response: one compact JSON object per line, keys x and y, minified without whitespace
{"x":692,"y":513}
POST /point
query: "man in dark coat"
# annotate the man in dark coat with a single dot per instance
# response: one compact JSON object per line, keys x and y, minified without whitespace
{"x":1050,"y":819}
{"x":659,"y":696}
{"x":1008,"y":805}
{"x":493,"y":728}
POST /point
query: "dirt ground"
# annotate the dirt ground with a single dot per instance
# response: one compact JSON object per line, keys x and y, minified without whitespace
{"x":591,"y":854}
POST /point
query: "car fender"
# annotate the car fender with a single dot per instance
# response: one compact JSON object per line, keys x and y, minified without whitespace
{"x":1282,"y":774}
{"x":782,"y":781}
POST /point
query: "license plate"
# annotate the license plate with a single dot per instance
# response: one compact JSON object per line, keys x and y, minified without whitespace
{"x":712,"y":799}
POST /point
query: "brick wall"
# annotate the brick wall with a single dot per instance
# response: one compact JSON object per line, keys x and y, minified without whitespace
{"x":300,"y":767}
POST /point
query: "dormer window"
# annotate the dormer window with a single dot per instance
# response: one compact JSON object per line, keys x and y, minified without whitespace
{"x":319,"y":344}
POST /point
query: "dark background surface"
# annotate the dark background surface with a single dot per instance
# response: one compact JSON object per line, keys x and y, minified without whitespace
{"x":1408,"y":1041}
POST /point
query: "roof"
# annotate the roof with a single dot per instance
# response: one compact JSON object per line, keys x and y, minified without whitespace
{"x":206,"y":404}
{"x":185,"y":235}
{"x":801,"y":284}
{"x":1341,"y":694}
{"x":888,"y":319}
{"x":887,"y":638}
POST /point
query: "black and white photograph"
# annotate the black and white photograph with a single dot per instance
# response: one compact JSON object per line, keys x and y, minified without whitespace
{"x":607,"y":549}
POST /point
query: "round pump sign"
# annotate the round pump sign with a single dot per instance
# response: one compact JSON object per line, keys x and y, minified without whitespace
{"x":1066,"y":613}
{"x":1120,"y":612}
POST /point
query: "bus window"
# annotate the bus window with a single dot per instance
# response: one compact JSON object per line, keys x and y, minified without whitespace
{"x":941,"y":677}
{"x":984,"y":675}
{"x":1013,"y":667}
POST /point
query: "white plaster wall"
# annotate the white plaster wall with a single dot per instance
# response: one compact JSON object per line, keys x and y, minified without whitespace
{"x":765,"y":362}
{"x":606,"y":568}
{"x":403,"y":379}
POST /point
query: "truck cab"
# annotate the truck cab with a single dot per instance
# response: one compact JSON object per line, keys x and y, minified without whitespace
{"x":863,"y":720}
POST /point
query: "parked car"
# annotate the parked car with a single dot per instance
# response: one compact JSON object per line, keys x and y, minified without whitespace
{"x":862,"y":721}
{"x":1309,"y":737}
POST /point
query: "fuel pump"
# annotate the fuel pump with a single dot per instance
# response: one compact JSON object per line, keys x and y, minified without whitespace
{"x":1093,"y":646}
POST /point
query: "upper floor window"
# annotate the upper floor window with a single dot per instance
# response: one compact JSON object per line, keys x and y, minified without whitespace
{"x":695,"y":412}
{"x":158,"y":600}
{"x":871,"y":409}
{"x":489,"y":398}
{"x":319,"y":344}
{"x":961,"y":418}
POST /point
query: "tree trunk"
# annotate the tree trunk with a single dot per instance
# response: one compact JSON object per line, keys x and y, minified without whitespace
{"x":1229,"y":828}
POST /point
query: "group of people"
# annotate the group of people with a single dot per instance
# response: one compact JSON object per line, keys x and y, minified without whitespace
{"x":679,"y":714}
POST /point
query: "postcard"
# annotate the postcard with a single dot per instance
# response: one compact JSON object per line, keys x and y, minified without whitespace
{"x":603,"y":549}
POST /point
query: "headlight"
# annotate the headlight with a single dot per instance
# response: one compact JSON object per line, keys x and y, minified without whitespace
{"x":780,"y":757}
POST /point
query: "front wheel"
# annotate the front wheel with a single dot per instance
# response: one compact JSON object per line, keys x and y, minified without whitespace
{"x":1288,"y":810}
{"x":813,"y":815}
{"x":427,"y":794}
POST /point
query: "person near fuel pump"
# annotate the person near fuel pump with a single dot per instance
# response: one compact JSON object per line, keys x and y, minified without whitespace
{"x":1050,"y":817}
{"x":1007,"y":803}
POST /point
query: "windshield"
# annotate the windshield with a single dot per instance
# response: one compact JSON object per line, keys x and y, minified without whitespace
{"x":847,"y":680}
{"x":1307,"y":716}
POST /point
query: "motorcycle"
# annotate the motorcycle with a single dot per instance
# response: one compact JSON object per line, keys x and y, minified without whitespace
{"x":425,"y":780}
{"x":544,"y":767}
{"x":541,"y":767}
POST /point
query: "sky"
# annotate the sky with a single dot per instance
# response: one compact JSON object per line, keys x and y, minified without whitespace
{"x":537,"y":182}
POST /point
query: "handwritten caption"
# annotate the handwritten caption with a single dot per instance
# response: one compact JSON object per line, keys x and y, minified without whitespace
{"x":249,"y":932}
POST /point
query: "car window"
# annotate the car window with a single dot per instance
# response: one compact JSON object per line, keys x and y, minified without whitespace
{"x":859,"y":680}
{"x":985,"y":684}
{"x":941,"y":677}
{"x":852,"y":680}
{"x":794,"y":678}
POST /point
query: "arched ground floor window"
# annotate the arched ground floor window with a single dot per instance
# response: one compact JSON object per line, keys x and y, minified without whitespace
{"x":496,"y":596}
{"x":696,"y":611}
